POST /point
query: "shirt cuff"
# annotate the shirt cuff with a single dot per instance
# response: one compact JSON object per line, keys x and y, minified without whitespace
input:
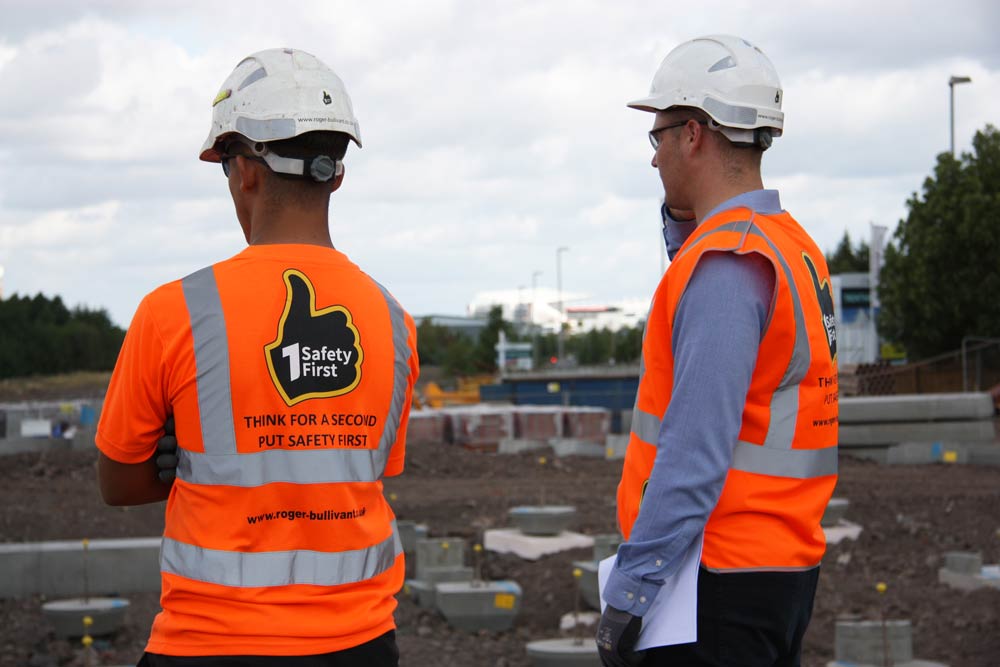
{"x":630,"y":594}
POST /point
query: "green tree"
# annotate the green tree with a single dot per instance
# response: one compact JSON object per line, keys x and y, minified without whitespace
{"x":940,"y":279}
{"x":485,"y":353}
{"x":848,"y":258}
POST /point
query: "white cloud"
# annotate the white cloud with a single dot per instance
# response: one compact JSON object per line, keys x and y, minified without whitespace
{"x":493,"y":135}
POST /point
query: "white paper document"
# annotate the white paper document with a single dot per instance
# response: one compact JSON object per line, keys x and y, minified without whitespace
{"x":673,"y":616}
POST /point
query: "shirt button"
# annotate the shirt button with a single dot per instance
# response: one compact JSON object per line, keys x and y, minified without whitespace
{"x":642,"y":599}
{"x":630,"y":595}
{"x":659,"y":562}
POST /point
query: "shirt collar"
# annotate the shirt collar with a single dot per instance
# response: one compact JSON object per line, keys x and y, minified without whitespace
{"x":760,"y":201}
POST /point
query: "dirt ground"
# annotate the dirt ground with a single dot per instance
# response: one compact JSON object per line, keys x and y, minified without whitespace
{"x":910,"y":514}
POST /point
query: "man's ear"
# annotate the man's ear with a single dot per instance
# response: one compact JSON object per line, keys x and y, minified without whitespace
{"x":250,"y":176}
{"x":339,"y":178}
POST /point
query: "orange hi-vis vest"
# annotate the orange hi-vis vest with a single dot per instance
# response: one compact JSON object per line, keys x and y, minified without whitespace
{"x":289,"y":373}
{"x":784,"y":465}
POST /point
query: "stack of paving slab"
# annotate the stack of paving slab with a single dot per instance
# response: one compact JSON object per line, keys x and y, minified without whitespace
{"x":426,"y":427}
{"x":479,"y":427}
{"x":585,"y":430}
{"x":965,"y":571}
{"x":540,"y":530}
{"x":919,"y":428}
{"x":860,"y":643}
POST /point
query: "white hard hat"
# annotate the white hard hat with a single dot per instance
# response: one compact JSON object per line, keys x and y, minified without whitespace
{"x":279,"y":94}
{"x":729,"y":79}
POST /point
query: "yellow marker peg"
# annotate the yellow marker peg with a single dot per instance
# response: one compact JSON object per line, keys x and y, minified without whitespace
{"x":477,"y":548}
{"x":85,"y":542}
{"x":88,"y":621}
{"x":445,"y":545}
{"x":542,"y":460}
{"x":577,"y":572}
{"x":87,"y":641}
{"x":881,"y":587}
{"x":392,"y":497}
{"x":609,"y":452}
{"x":950,"y":456}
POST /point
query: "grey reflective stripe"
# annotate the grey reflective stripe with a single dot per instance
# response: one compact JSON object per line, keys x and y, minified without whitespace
{"x":400,"y":375}
{"x":211,"y":353}
{"x":307,"y":466}
{"x":645,"y":426}
{"x":737,"y":570}
{"x":795,"y":463}
{"x":220,"y":463}
{"x":279,"y":568}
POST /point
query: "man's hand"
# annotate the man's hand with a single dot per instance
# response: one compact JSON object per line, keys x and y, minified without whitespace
{"x":166,"y":453}
{"x":616,"y":638}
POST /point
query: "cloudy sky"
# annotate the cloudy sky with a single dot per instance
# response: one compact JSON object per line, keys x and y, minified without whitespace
{"x":494,"y":132}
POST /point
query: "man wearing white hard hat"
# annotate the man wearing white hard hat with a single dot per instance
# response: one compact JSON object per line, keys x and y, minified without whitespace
{"x":733,"y":447}
{"x":287,"y":374}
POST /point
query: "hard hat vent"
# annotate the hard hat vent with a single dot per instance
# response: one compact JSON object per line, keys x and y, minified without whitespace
{"x":725,"y":63}
{"x":256,"y":75}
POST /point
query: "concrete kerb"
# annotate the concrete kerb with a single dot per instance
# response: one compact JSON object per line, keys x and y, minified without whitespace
{"x":575,"y":447}
{"x":965,"y":571}
{"x":916,"y":408}
{"x":56,"y":569}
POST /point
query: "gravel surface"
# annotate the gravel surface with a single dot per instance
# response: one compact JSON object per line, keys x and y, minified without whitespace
{"x":911,"y":515}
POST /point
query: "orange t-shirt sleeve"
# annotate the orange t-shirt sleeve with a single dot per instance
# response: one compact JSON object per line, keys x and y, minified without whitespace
{"x":397,"y":455}
{"x":136,"y":405}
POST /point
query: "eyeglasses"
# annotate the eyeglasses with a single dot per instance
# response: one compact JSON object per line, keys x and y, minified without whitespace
{"x":226,"y":157}
{"x":654,"y":134}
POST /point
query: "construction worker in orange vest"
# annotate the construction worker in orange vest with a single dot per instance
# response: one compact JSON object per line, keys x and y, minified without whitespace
{"x":288,"y":374}
{"x":733,"y":445}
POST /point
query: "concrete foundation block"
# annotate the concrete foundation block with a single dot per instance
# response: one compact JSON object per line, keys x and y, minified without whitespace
{"x":915,"y":408}
{"x":56,"y":569}
{"x":564,"y":652}
{"x":409,"y":533}
{"x":615,"y":446}
{"x":589,"y":592}
{"x":606,"y":544}
{"x":963,"y":562}
{"x":542,"y":519}
{"x":864,"y":642}
{"x":576,"y":447}
{"x":423,"y":590}
{"x":835,"y":511}
{"x":479,"y":605}
{"x":66,"y":616}
{"x":519,"y":445}
{"x":965,"y":571}
{"x":533,"y":547}
{"x":438,"y":552}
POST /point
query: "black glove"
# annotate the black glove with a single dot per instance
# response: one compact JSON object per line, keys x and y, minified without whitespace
{"x":166,"y":453}
{"x":616,"y":638}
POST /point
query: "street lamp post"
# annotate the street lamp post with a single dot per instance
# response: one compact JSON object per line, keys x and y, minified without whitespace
{"x":562,"y":315}
{"x":534,"y":329}
{"x":952,"y":82}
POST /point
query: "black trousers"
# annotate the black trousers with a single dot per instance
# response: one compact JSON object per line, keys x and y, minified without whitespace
{"x":379,"y":652}
{"x":746,"y":619}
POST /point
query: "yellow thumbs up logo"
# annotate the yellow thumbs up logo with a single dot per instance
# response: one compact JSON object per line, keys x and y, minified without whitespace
{"x":317,"y":353}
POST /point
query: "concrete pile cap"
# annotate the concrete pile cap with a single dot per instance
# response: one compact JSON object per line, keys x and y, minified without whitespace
{"x":542,"y":519}
{"x":67,"y":616}
{"x":479,"y":605}
{"x":564,"y":652}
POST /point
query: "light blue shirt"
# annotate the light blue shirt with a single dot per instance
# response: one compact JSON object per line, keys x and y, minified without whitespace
{"x":719,"y":323}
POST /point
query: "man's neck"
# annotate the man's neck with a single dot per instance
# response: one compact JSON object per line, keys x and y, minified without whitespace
{"x":291,"y":226}
{"x":723,"y":192}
